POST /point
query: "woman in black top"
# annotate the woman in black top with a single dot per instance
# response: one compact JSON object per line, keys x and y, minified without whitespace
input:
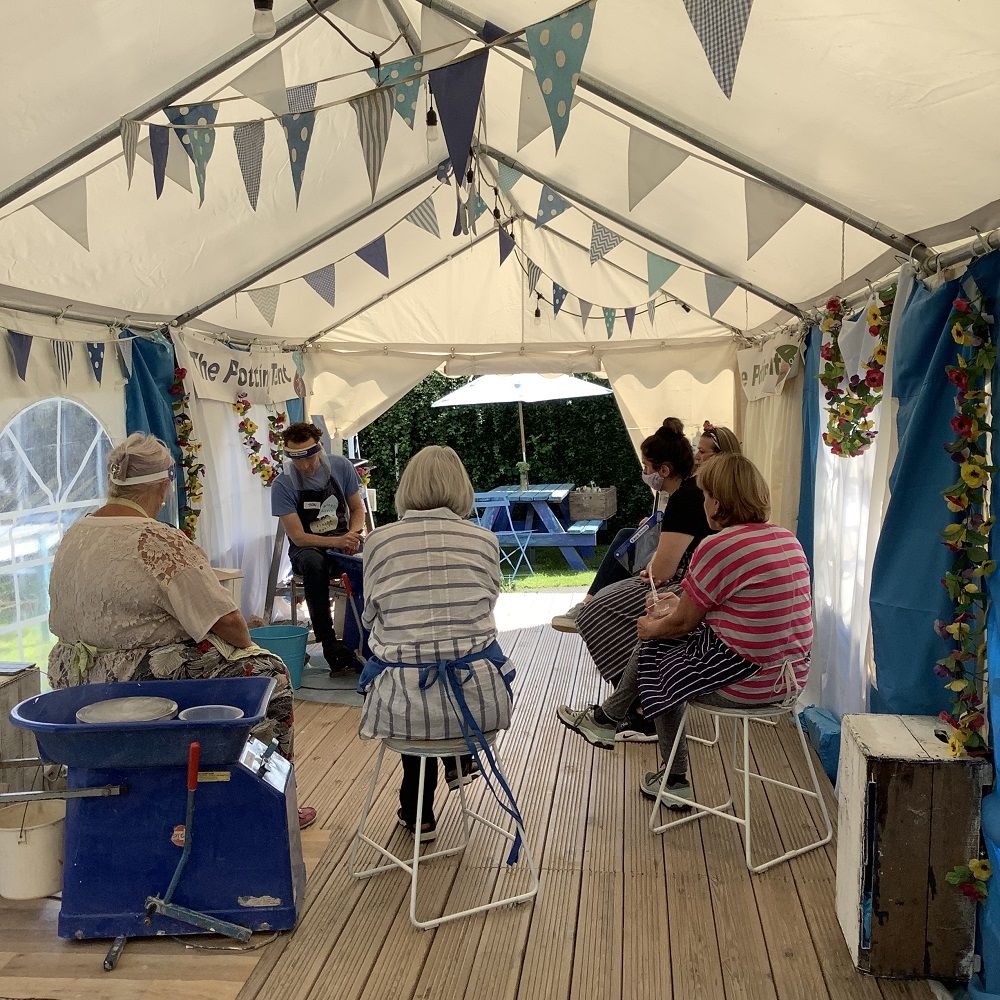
{"x":607,"y":621}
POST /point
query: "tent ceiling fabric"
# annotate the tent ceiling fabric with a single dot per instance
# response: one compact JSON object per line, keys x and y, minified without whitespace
{"x":882,"y":112}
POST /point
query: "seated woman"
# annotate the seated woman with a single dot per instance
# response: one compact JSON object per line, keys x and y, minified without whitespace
{"x":131,"y":599}
{"x":607,"y":623}
{"x":740,"y":632}
{"x":432,"y":580}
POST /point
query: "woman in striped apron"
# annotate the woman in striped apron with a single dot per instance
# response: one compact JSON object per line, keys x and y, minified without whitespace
{"x":432,"y":580}
{"x":740,"y":633}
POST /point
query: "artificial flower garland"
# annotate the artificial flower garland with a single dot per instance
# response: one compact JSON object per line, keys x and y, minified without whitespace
{"x":190,"y":446}
{"x":266,"y":468}
{"x":849,"y":431}
{"x":964,"y":666}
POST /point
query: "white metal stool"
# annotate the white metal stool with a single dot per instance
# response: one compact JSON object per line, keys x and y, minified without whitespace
{"x":437,"y":748}
{"x":742,"y":716}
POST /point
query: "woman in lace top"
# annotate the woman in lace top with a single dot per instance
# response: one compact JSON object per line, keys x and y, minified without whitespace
{"x":133,"y":599}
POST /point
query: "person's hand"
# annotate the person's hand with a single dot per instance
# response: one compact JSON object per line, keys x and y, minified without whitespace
{"x":661,"y":605}
{"x":648,"y":627}
{"x":348,"y":543}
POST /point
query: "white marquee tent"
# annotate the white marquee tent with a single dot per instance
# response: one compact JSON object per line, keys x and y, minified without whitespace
{"x":854,"y":138}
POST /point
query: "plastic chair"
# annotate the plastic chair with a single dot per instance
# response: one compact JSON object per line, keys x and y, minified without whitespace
{"x":742,"y":717}
{"x":424,"y":749}
{"x":513,"y":553}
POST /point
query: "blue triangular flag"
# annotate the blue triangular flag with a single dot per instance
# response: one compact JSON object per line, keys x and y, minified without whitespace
{"x":198,"y":142}
{"x":479,"y":207}
{"x":609,"y":319}
{"x":491,"y":32}
{"x":404,"y":95}
{"x":508,"y":177}
{"x":630,"y":317}
{"x":20,"y":344}
{"x":96,"y":354}
{"x":659,"y":270}
{"x":558,"y":298}
{"x":159,"y":147}
{"x":557,"y":48}
{"x":457,"y":89}
{"x":720,"y":28}
{"x":506,"y":244}
{"x":298,"y":137}
{"x":717,"y":290}
{"x":324,"y":283}
{"x":550,"y":204}
{"x":125,"y":339}
{"x":375,"y":255}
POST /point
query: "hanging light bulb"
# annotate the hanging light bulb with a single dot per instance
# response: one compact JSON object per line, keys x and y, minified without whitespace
{"x":538,"y":310}
{"x":433,"y":132}
{"x":263,"y":18}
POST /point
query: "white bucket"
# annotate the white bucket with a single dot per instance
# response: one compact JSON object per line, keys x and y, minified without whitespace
{"x":31,"y":849}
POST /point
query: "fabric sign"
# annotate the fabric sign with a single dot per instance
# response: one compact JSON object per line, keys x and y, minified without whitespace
{"x":219,"y":372}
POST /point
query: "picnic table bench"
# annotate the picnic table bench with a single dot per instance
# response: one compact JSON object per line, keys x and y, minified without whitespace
{"x":544,"y":512}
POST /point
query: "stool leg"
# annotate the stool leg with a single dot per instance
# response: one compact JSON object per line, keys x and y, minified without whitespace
{"x":366,"y":809}
{"x":466,"y":825}
{"x":746,"y":786}
{"x":416,"y":842}
{"x":707,"y":743}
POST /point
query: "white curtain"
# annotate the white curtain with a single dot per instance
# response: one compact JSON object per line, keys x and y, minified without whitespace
{"x":772,"y":440}
{"x":236,"y":528}
{"x":851,"y":494}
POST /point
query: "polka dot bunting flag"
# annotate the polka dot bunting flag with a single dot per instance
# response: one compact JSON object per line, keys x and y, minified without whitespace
{"x":404,"y":95}
{"x":557,"y":47}
{"x":298,"y":128}
{"x":558,"y":298}
{"x":198,"y":143}
{"x":95,"y":352}
{"x":550,"y":204}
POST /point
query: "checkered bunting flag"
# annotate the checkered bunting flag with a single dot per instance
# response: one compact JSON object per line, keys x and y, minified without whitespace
{"x":602,"y":241}
{"x":249,"y":139}
{"x":62,"y":351}
{"x":534,"y":273}
{"x":266,"y":301}
{"x":130,"y":142}
{"x":425,"y":217}
{"x":721,"y":26}
{"x":324,"y":283}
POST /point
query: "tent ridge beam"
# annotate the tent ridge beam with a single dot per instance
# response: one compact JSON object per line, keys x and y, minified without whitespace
{"x":428,"y":174}
{"x":908,"y":245}
{"x":405,"y":284}
{"x":639,"y":230}
{"x":196,"y":79}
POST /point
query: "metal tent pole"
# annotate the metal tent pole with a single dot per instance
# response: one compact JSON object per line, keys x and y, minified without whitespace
{"x":189,"y":83}
{"x":428,"y":174}
{"x":520,"y":417}
{"x":406,"y":29}
{"x":409,"y":281}
{"x":645,"y":112}
{"x":632,"y":226}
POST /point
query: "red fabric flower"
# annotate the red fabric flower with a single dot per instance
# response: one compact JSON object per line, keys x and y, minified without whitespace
{"x":958,"y":378}
{"x":875,"y":330}
{"x":961,"y":425}
{"x":875,"y":378}
{"x":960,"y":305}
{"x":833,"y":305}
{"x":969,"y":890}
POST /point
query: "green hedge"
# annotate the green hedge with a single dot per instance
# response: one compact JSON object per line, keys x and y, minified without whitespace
{"x":572,"y":441}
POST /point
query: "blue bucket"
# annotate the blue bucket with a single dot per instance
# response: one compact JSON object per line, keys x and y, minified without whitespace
{"x":286,"y":641}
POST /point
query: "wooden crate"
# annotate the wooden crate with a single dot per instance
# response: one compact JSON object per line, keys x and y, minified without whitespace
{"x":587,"y":506}
{"x":909,"y":812}
{"x":16,"y":742}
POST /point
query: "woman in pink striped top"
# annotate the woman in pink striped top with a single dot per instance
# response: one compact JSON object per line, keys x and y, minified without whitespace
{"x":741,"y":631}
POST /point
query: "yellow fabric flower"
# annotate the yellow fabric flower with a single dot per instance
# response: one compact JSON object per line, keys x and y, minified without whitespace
{"x":955,"y":747}
{"x":958,"y":685}
{"x":957,"y":630}
{"x":973,"y":475}
{"x":958,"y":334}
{"x":874,"y":315}
{"x":878,"y":354}
{"x":957,"y":503}
{"x":981,"y":870}
{"x":827,"y":324}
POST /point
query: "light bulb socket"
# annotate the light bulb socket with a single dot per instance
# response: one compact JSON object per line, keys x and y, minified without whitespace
{"x":263,"y":19}
{"x":432,"y":118}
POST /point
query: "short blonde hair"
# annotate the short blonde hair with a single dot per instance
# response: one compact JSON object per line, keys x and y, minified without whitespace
{"x":138,"y":455}
{"x":435,"y":477}
{"x":724,"y":441}
{"x":736,"y":483}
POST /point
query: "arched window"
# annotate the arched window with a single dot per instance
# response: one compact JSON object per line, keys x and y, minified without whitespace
{"x":52,"y":471}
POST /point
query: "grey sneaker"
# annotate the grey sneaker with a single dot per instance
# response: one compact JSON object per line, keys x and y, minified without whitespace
{"x":582,"y":721}
{"x":567,"y":622}
{"x":681,"y":787}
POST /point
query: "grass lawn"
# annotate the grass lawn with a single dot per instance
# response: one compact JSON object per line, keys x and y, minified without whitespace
{"x":551,"y":572}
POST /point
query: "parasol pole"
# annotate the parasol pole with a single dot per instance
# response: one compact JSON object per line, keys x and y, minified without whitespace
{"x":520,"y":417}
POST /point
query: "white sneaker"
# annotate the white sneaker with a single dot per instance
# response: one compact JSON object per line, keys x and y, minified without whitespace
{"x":567,"y":622}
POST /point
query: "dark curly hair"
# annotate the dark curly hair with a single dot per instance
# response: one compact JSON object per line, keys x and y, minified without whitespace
{"x":668,"y":446}
{"x":301,"y":432}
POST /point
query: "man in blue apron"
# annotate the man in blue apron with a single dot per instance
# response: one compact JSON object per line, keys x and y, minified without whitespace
{"x":322,"y":490}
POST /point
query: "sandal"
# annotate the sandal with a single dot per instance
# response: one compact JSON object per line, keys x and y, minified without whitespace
{"x":428,"y":831}
{"x":470,"y":771}
{"x":307,"y":816}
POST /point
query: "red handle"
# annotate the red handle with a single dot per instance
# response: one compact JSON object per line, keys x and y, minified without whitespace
{"x":345,"y":582}
{"x":194,"y":759}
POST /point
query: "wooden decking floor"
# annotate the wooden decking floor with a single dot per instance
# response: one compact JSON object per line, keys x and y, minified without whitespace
{"x":620,"y":913}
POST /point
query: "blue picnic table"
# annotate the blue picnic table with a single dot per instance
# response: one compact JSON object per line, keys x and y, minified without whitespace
{"x":544,"y":512}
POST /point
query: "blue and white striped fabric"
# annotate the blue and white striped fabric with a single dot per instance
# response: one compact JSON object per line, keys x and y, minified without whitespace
{"x":374,"y":114}
{"x":425,"y":216}
{"x":534,"y":273}
{"x":130,"y":142}
{"x":62,"y":351}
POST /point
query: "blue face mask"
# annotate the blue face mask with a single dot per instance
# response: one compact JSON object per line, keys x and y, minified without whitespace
{"x":653,"y":480}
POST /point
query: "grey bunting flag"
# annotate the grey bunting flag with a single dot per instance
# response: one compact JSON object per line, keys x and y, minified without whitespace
{"x":720,"y":26}
{"x":374,"y":114}
{"x":130,"y":142}
{"x":324,"y":283}
{"x":717,"y":290}
{"x":249,"y":140}
{"x":767,"y":211}
{"x":266,"y":301}
{"x":425,"y":216}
